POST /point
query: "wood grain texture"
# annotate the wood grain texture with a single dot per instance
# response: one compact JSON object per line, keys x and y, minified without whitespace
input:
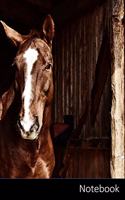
{"x":118,"y":110}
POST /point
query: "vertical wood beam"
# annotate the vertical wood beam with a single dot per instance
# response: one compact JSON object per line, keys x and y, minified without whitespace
{"x":118,"y":79}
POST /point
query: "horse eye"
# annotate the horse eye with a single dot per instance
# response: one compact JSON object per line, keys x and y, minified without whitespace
{"x":14,"y":65}
{"x":48,"y":66}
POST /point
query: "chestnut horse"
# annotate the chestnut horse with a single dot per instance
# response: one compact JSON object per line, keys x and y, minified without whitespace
{"x":26,"y":149}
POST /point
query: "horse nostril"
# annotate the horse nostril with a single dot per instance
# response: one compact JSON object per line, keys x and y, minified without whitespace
{"x":35,"y":126}
{"x":19,"y":124}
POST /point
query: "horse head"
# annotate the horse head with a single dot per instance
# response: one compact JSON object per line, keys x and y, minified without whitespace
{"x":33,"y":79}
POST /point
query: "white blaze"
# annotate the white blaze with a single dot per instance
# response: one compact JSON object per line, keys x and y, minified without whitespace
{"x":30,"y":56}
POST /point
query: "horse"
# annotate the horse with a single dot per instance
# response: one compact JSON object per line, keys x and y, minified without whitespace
{"x":26,"y":147}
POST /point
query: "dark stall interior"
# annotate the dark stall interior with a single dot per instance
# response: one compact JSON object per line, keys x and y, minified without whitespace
{"x":82,"y":86}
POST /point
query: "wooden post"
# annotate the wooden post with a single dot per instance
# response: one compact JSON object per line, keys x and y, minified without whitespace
{"x":117,"y":84}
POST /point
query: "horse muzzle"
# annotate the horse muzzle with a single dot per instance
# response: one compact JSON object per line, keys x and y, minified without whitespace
{"x":30,"y":133}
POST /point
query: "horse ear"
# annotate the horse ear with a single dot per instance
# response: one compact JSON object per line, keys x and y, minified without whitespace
{"x":12,"y":34}
{"x":6,"y":101}
{"x":48,"y":29}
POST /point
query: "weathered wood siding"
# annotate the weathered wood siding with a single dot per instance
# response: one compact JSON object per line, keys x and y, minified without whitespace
{"x":118,"y":91}
{"x":89,"y":163}
{"x":91,"y":160}
{"x":76,"y":51}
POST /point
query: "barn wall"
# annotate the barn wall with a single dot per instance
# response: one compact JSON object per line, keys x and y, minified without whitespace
{"x":89,"y":163}
{"x":118,"y":91}
{"x":76,"y":50}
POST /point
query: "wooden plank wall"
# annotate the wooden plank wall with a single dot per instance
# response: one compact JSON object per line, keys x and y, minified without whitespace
{"x":76,"y":50}
{"x":118,"y":90}
{"x":89,"y":163}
